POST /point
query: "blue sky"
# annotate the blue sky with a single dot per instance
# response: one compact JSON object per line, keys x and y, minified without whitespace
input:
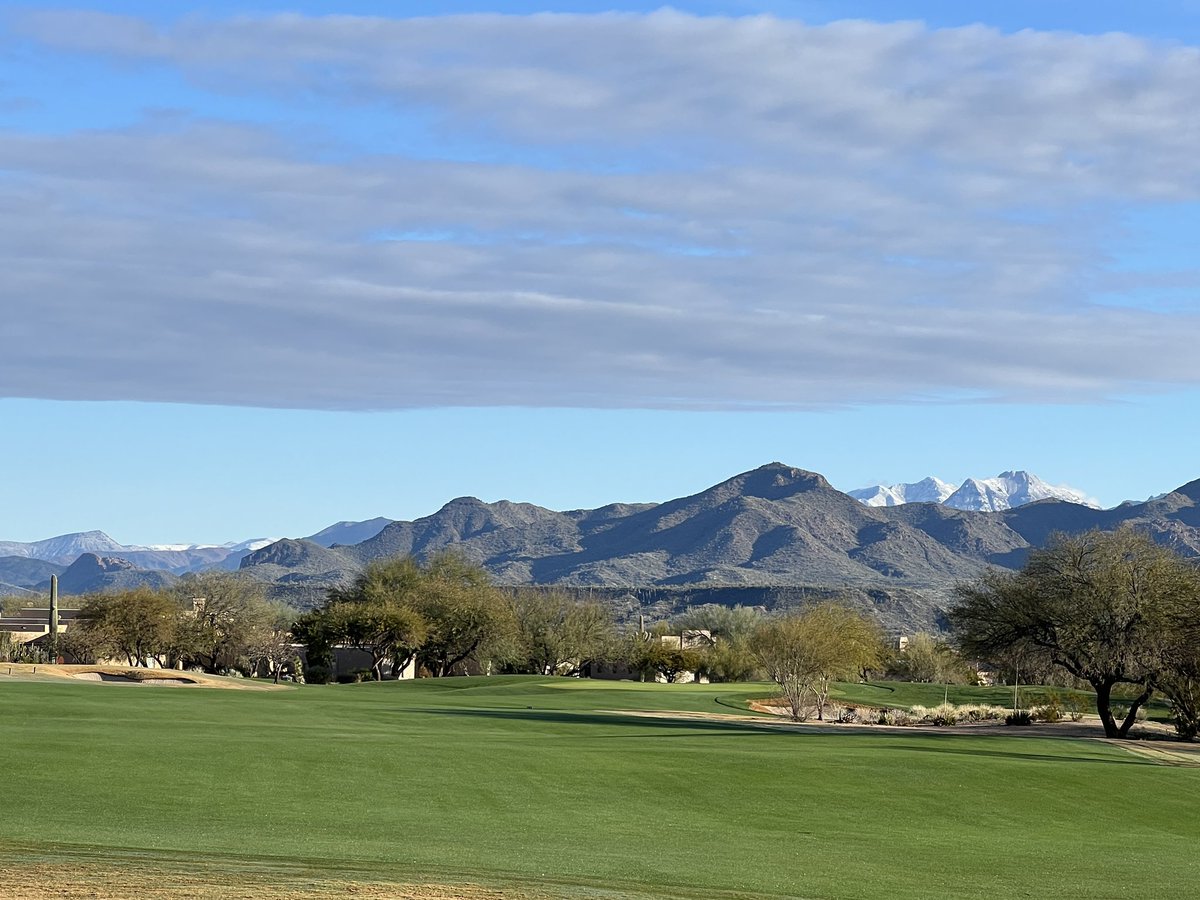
{"x":266,"y":269}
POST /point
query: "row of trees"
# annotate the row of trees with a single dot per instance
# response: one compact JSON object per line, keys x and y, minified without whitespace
{"x":216,"y":621}
{"x":445,"y":614}
{"x":1112,"y":609}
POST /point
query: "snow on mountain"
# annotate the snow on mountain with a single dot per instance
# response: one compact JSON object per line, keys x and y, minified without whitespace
{"x":1009,"y":489}
{"x":62,"y":548}
{"x":232,"y":546}
{"x":1005,"y":491}
{"x":65,"y":549}
{"x":927,"y":490}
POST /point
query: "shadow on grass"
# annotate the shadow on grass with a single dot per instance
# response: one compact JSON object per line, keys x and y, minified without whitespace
{"x":567,"y":717}
{"x":900,"y":741}
{"x":1009,"y":754}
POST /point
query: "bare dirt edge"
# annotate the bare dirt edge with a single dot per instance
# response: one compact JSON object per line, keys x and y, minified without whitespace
{"x":104,"y":881}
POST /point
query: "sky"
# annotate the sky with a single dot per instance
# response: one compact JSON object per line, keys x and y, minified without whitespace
{"x":268,"y":266}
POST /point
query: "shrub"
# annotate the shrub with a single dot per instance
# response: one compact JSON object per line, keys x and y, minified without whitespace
{"x":896,"y":717}
{"x":944,"y":714}
{"x":1075,"y":704}
{"x":981,"y":712}
{"x":1047,"y":712}
{"x":920,"y":713}
{"x":1050,"y":711}
{"x":1019,"y":717}
{"x":846,"y":715}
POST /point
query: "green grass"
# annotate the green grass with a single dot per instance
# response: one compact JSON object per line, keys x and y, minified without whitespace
{"x":533,"y":781}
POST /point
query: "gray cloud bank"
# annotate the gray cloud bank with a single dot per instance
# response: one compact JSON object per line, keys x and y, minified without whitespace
{"x":660,"y":211}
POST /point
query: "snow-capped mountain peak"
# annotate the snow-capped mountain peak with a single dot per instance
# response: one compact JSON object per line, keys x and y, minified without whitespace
{"x":1009,"y":489}
{"x":1005,"y":491}
{"x":927,"y":490}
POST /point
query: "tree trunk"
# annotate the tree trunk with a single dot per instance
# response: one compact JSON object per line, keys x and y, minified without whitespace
{"x":1104,"y":707}
{"x":1131,"y":717}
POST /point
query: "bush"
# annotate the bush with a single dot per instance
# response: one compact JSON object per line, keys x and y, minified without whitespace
{"x":1047,"y":712}
{"x":981,"y":712}
{"x":1020,"y":717}
{"x":944,"y":714}
{"x":847,"y":715}
{"x":920,"y":713}
{"x":1075,"y":704}
{"x":1050,"y":711}
{"x":896,"y":717}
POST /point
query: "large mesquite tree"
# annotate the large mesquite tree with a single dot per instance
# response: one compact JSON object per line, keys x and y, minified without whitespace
{"x":443,"y":612}
{"x":1111,"y":608}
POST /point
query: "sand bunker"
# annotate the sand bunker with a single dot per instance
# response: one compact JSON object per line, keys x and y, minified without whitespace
{"x":131,"y":675}
{"x":74,"y":881}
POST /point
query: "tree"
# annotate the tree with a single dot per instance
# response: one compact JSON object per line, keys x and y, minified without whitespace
{"x":648,"y":655}
{"x":231,"y":617}
{"x":803,"y":653}
{"x":1102,"y":605}
{"x":729,"y":656}
{"x":468,"y":618}
{"x":443,"y":612}
{"x":270,"y":645}
{"x":1180,"y":681}
{"x":928,"y":660}
{"x":140,"y":625}
{"x":735,"y":624}
{"x":558,"y":635}
{"x":379,"y":613}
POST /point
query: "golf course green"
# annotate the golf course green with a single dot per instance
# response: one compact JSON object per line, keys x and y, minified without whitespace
{"x":560,"y":788}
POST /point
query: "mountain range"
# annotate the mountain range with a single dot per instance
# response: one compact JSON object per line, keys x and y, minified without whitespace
{"x":767,"y":534}
{"x":177,"y":558}
{"x":1006,"y":491}
{"x":775,"y":526}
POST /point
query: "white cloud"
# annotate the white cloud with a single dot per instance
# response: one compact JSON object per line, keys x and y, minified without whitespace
{"x":694,"y":212}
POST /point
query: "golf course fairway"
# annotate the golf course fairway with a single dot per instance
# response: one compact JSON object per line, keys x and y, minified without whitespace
{"x":542,"y":787}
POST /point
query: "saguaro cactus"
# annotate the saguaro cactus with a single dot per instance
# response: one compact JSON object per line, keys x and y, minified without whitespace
{"x":53,"y":618}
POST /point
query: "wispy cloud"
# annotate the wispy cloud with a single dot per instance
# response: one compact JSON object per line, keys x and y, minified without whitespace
{"x":673,"y":211}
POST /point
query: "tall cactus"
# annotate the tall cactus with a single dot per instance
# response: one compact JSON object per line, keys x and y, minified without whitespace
{"x":53,"y":618}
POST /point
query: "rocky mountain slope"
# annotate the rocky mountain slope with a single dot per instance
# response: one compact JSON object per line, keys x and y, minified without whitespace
{"x":93,"y":574}
{"x":773,"y":527}
{"x":349,"y":532}
{"x":65,"y":549}
{"x":767,"y":533}
{"x":776,"y":525}
{"x":20,"y":574}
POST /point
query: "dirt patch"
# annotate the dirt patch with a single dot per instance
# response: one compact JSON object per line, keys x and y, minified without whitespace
{"x":74,"y":881}
{"x":1185,"y":756}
